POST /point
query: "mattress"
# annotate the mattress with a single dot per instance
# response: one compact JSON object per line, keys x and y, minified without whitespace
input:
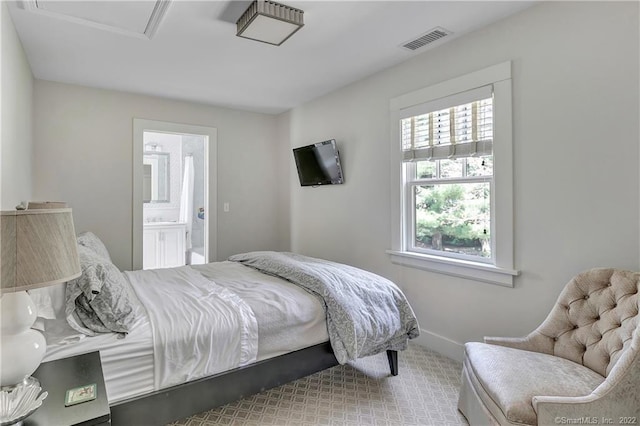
{"x":288,"y":317}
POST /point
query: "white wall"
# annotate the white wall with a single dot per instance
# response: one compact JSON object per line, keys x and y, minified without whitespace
{"x":83,"y":155}
{"x":576,"y":150}
{"x":17,"y":113}
{"x":285,"y":157}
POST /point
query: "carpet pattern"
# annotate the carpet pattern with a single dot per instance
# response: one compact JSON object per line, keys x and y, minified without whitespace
{"x":359,"y":393}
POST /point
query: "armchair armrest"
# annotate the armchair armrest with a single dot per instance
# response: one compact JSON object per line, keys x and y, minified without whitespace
{"x":510,"y":342}
{"x":609,"y":409}
{"x":534,"y":342}
{"x":615,"y":401}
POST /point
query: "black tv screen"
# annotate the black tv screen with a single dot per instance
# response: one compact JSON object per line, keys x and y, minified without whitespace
{"x":318,"y":164}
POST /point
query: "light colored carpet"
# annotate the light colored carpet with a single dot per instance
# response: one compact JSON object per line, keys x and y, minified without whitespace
{"x":359,"y":393}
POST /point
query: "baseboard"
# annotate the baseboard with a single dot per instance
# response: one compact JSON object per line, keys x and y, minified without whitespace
{"x":442,"y":345}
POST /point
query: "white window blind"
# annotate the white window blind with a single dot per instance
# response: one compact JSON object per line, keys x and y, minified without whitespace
{"x":454,"y":127}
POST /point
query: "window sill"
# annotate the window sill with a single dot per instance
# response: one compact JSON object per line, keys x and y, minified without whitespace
{"x":458,"y":268}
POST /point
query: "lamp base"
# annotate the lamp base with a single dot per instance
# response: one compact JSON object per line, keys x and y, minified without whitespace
{"x":21,"y":347}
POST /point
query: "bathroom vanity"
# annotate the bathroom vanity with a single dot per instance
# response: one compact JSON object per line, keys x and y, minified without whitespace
{"x":164,"y":245}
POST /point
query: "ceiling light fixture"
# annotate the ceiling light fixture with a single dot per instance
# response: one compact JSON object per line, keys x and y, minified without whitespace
{"x":269,"y":22}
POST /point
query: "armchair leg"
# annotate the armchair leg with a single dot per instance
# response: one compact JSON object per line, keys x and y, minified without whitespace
{"x":393,"y":362}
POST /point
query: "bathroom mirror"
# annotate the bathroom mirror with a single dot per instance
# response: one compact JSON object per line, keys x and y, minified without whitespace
{"x":156,"y":183}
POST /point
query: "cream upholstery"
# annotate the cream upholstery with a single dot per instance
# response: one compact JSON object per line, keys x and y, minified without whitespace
{"x":582,"y":362}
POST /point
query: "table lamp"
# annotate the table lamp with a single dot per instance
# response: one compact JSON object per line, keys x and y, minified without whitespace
{"x":38,"y":249}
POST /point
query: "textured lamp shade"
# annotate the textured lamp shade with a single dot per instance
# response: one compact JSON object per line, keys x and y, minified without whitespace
{"x":38,"y":249}
{"x":269,"y":22}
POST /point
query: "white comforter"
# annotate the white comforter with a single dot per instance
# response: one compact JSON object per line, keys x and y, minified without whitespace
{"x":218,"y":330}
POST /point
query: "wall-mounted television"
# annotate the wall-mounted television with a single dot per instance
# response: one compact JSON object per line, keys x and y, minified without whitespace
{"x":319,"y":164}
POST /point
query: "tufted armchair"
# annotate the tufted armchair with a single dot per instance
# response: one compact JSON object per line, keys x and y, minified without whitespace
{"x":580,"y":366}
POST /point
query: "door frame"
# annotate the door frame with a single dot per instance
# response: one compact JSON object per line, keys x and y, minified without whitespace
{"x":211,"y":177}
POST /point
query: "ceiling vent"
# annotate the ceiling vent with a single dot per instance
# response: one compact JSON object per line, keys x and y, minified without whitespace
{"x":427,"y":38}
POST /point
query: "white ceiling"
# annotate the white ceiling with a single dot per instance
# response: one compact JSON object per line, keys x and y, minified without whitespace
{"x":194,"y":54}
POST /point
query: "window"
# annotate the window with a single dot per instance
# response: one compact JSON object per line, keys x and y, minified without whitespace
{"x":448,"y":175}
{"x":453,"y":216}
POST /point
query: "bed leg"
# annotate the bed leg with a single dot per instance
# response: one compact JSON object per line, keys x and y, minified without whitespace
{"x":393,"y":362}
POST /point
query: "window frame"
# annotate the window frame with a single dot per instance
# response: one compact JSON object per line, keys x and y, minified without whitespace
{"x":499,"y":270}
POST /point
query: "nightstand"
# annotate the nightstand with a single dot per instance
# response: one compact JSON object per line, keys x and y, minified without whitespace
{"x":56,"y":377}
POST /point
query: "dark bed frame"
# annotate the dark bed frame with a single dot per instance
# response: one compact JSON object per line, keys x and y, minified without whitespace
{"x":177,"y":402}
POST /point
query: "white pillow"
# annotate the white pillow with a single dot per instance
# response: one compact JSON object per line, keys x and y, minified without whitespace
{"x":95,"y":244}
{"x":98,"y":301}
{"x":49,"y":301}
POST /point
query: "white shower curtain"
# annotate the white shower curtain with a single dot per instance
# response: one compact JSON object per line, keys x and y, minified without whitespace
{"x":186,"y":200}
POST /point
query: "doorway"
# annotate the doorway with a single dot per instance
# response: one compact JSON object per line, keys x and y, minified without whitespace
{"x":174,"y":194}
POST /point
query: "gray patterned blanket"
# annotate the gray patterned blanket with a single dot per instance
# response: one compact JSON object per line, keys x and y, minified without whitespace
{"x":366,"y":313}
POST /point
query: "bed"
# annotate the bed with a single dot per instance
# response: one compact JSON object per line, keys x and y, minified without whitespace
{"x":175,"y":342}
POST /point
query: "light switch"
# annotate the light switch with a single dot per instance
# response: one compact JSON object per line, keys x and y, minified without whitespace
{"x":226,"y":207}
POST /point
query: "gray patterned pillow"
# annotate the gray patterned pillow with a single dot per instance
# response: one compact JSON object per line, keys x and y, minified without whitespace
{"x":98,"y":301}
{"x":91,"y":241}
